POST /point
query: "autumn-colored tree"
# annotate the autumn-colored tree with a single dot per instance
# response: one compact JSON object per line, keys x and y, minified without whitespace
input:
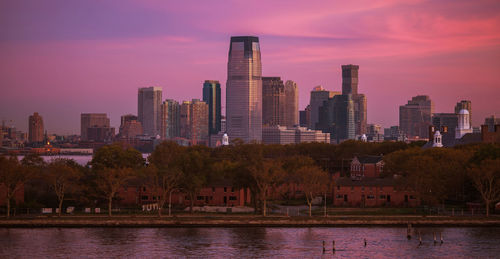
{"x":164,"y":172}
{"x":267,"y":175}
{"x":314,"y":181}
{"x":195,"y":165}
{"x":63,"y":175}
{"x":486,"y":178}
{"x":13,"y":176}
{"x":114,"y":165}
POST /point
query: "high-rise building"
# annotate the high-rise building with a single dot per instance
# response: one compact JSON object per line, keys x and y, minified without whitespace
{"x":130,"y":127}
{"x":292,"y":135}
{"x":92,"y":120}
{"x":305,"y":116}
{"x":170,"y":119}
{"x":350,"y":86}
{"x":491,"y":122}
{"x":273,"y":101}
{"x":149,"y":110}
{"x":318,"y":96}
{"x":244,"y":89}
{"x":464,"y":104}
{"x":415,"y":117}
{"x":211,"y":96}
{"x":336,"y":116}
{"x":291,"y":104}
{"x":35,"y":128}
{"x":194,"y":121}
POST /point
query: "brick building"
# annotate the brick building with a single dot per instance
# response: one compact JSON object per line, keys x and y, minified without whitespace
{"x":367,"y":188}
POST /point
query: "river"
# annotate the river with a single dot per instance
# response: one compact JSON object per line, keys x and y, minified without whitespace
{"x":258,"y":242}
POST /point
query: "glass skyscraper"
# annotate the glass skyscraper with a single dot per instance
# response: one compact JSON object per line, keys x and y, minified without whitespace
{"x":211,"y":96}
{"x":244,"y":89}
{"x":149,"y":110}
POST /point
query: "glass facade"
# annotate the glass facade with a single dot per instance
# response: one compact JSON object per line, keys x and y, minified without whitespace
{"x":244,"y":90}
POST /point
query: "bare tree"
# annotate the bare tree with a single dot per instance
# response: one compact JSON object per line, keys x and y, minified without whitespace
{"x":110,"y":180}
{"x":266,"y":174}
{"x":486,"y":178}
{"x":314,"y":181}
{"x":62,"y":176}
{"x":13,"y":176}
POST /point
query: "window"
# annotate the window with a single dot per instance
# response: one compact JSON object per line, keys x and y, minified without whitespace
{"x":144,"y":198}
{"x":339,"y":196}
{"x":412,"y":197}
{"x":382,"y":196}
{"x":232,"y":198}
{"x":232,"y":189}
{"x":144,"y":188}
{"x":213,"y":189}
{"x":225,"y":189}
{"x":370,"y":197}
{"x":200,"y":198}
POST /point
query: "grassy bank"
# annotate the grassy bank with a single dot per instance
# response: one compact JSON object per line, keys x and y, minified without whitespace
{"x":248,"y":221}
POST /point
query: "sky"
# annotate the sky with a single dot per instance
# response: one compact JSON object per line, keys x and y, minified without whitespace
{"x":61,"y":58}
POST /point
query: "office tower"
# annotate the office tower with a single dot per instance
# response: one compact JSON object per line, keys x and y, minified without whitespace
{"x":318,"y":96}
{"x":305,"y":116}
{"x":35,"y":128}
{"x":350,"y":86}
{"x":415,"y":117}
{"x":92,"y":120}
{"x":100,"y":134}
{"x":194,"y":121}
{"x":211,"y":96}
{"x":273,"y":101}
{"x":149,"y":110}
{"x":491,"y":122}
{"x":244,"y":89}
{"x":336,"y":116}
{"x":445,"y":123}
{"x":464,"y":104}
{"x":291,"y":104}
{"x":130,"y":127}
{"x":170,"y":119}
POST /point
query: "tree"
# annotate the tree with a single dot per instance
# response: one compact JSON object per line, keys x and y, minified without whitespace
{"x":195,"y":164}
{"x":13,"y":176}
{"x":266,"y":174}
{"x":114,"y":165}
{"x":486,"y":178}
{"x":62,"y":175}
{"x":313,"y":180}
{"x":164,"y":172}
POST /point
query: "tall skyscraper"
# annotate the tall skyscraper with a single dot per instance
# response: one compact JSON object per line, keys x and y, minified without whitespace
{"x":194,"y":121}
{"x":291,"y":104}
{"x":318,"y":96}
{"x":305,"y":116}
{"x":336,"y":116}
{"x":273,"y":101}
{"x":170,"y":119}
{"x":491,"y":121}
{"x":149,"y":110}
{"x":464,"y":104}
{"x":92,"y":120}
{"x":415,"y":117}
{"x":35,"y":128}
{"x":350,"y":86}
{"x":244,"y":89}
{"x":211,"y":96}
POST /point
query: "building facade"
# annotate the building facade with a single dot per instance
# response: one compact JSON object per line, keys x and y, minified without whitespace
{"x":273,"y":101}
{"x":291,"y":104}
{"x":292,"y":135}
{"x":464,"y":104}
{"x":130,"y":127}
{"x":194,"y":122}
{"x":92,"y":120}
{"x":170,"y":119}
{"x":415,"y":117}
{"x":211,"y":96}
{"x":350,"y":86}
{"x":36,"y":132}
{"x":318,"y":96}
{"x":336,"y":116}
{"x":244,"y":89}
{"x":149,"y":110}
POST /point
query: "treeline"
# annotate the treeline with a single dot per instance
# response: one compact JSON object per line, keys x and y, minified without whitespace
{"x":437,"y":174}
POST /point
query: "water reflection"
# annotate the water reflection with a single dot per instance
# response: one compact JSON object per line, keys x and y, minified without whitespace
{"x":246,"y":242}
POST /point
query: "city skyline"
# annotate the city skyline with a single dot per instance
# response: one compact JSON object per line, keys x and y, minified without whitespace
{"x":61,"y":66}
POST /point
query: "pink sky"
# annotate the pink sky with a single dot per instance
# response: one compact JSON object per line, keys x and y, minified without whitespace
{"x":64,"y":57}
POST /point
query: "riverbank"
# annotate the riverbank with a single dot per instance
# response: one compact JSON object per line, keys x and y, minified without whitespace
{"x":248,"y":221}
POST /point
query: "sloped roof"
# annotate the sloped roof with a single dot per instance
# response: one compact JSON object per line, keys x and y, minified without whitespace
{"x":369,"y":159}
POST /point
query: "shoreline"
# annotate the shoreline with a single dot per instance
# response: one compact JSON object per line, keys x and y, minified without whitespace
{"x":222,"y":221}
